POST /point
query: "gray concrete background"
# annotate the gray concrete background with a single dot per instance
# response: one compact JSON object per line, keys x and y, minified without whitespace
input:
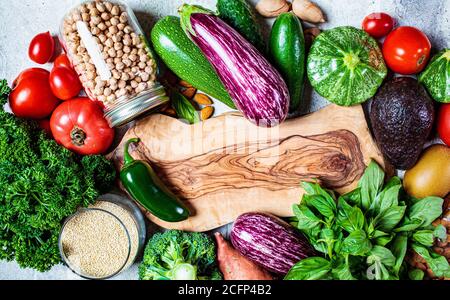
{"x":20,"y":20}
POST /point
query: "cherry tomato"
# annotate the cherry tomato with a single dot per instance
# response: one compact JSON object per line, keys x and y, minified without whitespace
{"x":65,"y":83}
{"x":41,"y":48}
{"x":378,"y":25}
{"x":406,"y":50}
{"x":78,"y":125}
{"x":62,"y":61}
{"x":32,"y":96}
{"x":444,"y":123}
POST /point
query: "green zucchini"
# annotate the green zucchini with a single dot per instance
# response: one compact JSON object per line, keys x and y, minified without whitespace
{"x":287,"y":49}
{"x":239,"y":15}
{"x":186,"y":60}
{"x":436,"y":77}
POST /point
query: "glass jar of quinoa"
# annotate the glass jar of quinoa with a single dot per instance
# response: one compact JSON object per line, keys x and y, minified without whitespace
{"x":110,"y":53}
{"x":104,"y":239}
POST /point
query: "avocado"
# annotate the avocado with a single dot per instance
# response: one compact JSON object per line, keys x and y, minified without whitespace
{"x":402,"y":116}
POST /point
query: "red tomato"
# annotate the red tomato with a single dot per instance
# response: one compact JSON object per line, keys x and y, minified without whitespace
{"x":65,"y":83}
{"x":32,"y":96}
{"x":406,"y":50}
{"x":444,"y":123}
{"x":378,"y":25}
{"x":62,"y":61}
{"x":79,"y":125}
{"x":41,"y":48}
{"x":45,"y":125}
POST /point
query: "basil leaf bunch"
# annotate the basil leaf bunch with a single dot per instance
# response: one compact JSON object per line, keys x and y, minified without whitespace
{"x":365,"y":234}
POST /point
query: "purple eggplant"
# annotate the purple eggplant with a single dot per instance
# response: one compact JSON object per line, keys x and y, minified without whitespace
{"x":270,"y":242}
{"x":256,"y":87}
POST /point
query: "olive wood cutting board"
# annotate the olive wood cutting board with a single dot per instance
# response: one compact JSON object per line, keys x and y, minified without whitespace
{"x":226,"y":166}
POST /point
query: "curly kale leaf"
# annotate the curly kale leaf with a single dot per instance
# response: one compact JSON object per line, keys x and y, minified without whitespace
{"x":41,"y":183}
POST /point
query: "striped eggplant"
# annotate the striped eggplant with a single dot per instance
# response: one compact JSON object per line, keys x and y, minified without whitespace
{"x":269,"y":242}
{"x":256,"y":87}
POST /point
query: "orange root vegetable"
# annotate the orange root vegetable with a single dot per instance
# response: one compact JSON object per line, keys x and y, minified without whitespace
{"x":235,"y":266}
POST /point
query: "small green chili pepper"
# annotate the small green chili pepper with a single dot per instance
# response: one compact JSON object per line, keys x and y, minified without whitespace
{"x":145,"y":187}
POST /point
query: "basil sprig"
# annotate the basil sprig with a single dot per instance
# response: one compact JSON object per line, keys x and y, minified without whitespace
{"x":366,"y":233}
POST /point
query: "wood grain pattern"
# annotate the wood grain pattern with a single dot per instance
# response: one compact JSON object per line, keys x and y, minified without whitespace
{"x":226,"y":166}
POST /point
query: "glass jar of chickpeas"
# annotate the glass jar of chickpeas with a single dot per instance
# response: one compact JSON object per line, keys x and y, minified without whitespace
{"x":111,"y":55}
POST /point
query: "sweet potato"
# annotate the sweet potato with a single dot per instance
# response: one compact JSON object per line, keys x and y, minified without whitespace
{"x":235,"y":266}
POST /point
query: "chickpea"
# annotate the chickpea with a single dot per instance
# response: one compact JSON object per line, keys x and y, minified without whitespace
{"x":101,"y":98}
{"x":148,"y":70}
{"x":115,"y":21}
{"x":113,"y":29}
{"x":128,"y":29}
{"x":112,"y":52}
{"x":108,"y":23}
{"x":100,"y":6}
{"x":90,"y":84}
{"x":120,"y":66}
{"x":119,"y":53}
{"x":95,"y":31}
{"x":120,"y":26}
{"x":127,"y":62}
{"x":122,"y":84}
{"x":76,"y":16}
{"x":142,"y":65}
{"x":118,"y":46}
{"x":138,"y":79}
{"x":125,"y":77}
{"x":96,"y":20}
{"x":145,"y":76}
{"x":85,"y":17}
{"x":116,"y":75}
{"x":83,"y":8}
{"x":123,"y":17}
{"x":112,"y":81}
{"x":126,"y":49}
{"x":143,"y":57}
{"x":108,"y":6}
{"x":102,"y":38}
{"x":98,"y":90}
{"x":116,"y":38}
{"x":90,"y":75}
{"x":94,"y":11}
{"x":109,"y":42}
{"x":111,"y":66}
{"x":133,"y":84}
{"x":107,"y":92}
{"x":111,"y":98}
{"x":132,"y":57}
{"x":115,"y":10}
{"x":101,"y":26}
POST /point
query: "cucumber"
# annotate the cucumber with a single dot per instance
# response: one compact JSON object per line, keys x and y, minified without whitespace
{"x":239,"y":15}
{"x":186,"y":60}
{"x":287,"y":49}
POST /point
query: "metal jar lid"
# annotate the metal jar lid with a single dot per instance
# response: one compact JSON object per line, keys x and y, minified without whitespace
{"x":130,"y":108}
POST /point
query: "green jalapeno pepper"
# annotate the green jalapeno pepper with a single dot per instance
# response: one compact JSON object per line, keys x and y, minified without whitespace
{"x":145,"y":187}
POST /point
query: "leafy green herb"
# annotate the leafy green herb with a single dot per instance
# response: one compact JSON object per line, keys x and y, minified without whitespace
{"x":370,"y":184}
{"x":309,"y":269}
{"x":368,"y":233}
{"x":416,"y":274}
{"x":184,"y":108}
{"x":41,"y":183}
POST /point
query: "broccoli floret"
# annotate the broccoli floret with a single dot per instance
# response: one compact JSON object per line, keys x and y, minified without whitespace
{"x":178,"y":255}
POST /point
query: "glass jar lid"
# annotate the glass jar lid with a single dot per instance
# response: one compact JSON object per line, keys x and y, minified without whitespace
{"x":146,"y":101}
